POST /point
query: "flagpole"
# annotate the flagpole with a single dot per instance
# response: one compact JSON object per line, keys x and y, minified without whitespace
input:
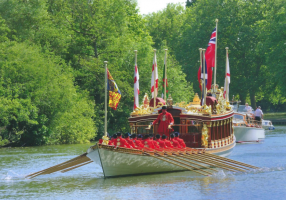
{"x":135,"y":57}
{"x":105,"y":119}
{"x":136,"y":80}
{"x":201,"y":66}
{"x":155,"y":94}
{"x":165,"y":75}
{"x":204,"y":70}
{"x":226,"y":78}
{"x":215,"y":54}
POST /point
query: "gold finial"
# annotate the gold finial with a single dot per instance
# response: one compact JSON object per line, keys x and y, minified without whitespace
{"x":169,"y":101}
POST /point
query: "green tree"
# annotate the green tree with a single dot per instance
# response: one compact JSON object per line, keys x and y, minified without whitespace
{"x":39,"y":102}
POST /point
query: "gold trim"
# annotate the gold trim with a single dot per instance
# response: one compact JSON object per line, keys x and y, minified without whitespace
{"x":205,"y":135}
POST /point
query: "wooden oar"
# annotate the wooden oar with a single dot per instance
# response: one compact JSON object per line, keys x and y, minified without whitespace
{"x":223,"y":161}
{"x":66,"y":170}
{"x":187,"y":164}
{"x":216,"y":164}
{"x":61,"y":167}
{"x":230,"y":160}
{"x":190,"y":169}
{"x":200,"y":156}
{"x":227,"y":159}
{"x":75,"y":161}
{"x":195,"y":163}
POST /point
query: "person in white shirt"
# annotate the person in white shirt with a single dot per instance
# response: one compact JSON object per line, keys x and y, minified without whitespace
{"x":258,"y":114}
{"x":249,"y":112}
{"x":248,"y":108}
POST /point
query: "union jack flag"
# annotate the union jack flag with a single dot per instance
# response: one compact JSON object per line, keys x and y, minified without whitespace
{"x":210,"y":61}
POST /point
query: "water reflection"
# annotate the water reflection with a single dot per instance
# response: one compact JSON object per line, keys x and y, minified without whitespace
{"x":87,"y":182}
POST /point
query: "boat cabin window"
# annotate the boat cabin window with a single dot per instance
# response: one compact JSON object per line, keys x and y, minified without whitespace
{"x":238,"y":117}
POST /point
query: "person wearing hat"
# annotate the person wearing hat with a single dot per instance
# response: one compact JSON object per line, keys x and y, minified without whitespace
{"x":174,"y":142}
{"x":137,"y":141}
{"x":164,"y":119}
{"x":181,"y":141}
{"x":258,"y":114}
{"x":121,"y":142}
{"x":129,"y":141}
{"x":148,"y":144}
{"x":167,"y":142}
{"x":160,"y":143}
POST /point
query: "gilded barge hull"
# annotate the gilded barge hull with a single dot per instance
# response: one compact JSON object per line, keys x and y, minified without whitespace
{"x":116,"y":164}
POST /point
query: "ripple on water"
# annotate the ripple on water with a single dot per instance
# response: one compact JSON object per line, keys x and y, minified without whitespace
{"x":87,"y":182}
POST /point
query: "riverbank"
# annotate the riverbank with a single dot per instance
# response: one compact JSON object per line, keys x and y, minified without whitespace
{"x":277,"y":118}
{"x":87,"y":182}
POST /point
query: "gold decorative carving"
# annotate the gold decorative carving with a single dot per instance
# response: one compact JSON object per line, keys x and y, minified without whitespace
{"x":182,"y":104}
{"x":145,"y":109}
{"x":146,"y":100}
{"x":205,"y":135}
{"x":105,"y":140}
{"x":169,"y":101}
{"x":207,"y":109}
{"x":196,"y":100}
{"x":220,"y":107}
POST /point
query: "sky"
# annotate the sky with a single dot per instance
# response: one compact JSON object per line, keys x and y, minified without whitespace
{"x":149,"y":6}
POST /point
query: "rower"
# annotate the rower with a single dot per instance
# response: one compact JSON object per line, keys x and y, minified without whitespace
{"x":174,"y":142}
{"x":147,"y":142}
{"x":155,"y":143}
{"x":167,"y":142}
{"x":181,"y":141}
{"x":128,"y":140}
{"x":138,"y":143}
{"x":121,"y":142}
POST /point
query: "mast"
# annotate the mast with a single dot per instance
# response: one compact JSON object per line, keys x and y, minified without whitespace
{"x":204,"y":70}
{"x":226,"y":78}
{"x":155,"y":93}
{"x":215,"y":54}
{"x":201,"y":66}
{"x":105,"y":106}
{"x":165,"y":75}
{"x":136,"y":95}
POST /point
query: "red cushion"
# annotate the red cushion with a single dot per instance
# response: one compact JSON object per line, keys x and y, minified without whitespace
{"x":151,"y":104}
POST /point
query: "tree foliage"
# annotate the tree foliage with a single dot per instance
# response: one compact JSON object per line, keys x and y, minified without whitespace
{"x":253,"y":30}
{"x":52,"y":72}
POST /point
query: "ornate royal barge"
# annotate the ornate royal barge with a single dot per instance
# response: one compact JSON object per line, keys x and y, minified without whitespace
{"x":206,"y":128}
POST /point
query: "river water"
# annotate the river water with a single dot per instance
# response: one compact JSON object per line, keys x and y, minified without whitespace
{"x":87,"y":182}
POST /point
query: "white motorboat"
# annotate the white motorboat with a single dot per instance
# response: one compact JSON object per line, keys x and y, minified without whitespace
{"x":247,"y":130}
{"x":267,"y":125}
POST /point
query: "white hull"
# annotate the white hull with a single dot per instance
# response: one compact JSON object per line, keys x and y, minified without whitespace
{"x":123,"y":164}
{"x":249,"y":134}
{"x":267,"y":125}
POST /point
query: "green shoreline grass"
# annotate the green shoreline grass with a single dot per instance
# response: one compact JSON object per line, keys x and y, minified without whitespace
{"x":275,"y":115}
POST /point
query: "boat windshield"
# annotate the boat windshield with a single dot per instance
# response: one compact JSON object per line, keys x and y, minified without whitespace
{"x":241,"y":108}
{"x":238,"y":117}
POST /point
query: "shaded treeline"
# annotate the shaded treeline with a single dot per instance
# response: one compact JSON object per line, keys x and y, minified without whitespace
{"x":254,"y":31}
{"x":52,"y":53}
{"x":52,"y":72}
